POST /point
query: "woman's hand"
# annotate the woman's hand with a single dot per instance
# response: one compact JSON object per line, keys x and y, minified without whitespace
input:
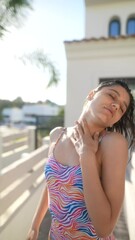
{"x":84,"y":143}
{"x":32,"y":235}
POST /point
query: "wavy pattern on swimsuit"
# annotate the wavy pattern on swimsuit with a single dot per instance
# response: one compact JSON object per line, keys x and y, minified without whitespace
{"x":70,"y":219}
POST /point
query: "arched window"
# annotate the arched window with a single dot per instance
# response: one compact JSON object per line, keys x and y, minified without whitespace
{"x":114,"y":28}
{"x":131,"y":26}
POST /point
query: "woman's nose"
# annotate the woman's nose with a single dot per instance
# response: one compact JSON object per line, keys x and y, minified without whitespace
{"x":116,"y":106}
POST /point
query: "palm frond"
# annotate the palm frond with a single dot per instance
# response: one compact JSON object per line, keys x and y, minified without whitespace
{"x":41,"y":60}
{"x":10,"y":12}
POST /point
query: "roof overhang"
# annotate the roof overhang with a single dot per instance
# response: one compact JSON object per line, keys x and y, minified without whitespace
{"x":94,"y":2}
{"x":100,"y":47}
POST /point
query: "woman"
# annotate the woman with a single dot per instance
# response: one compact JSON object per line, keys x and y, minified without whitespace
{"x":86,"y":167}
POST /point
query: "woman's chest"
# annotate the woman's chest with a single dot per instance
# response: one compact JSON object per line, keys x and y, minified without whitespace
{"x":65,"y":154}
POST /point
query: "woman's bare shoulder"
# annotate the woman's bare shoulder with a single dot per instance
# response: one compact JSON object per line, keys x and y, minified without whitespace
{"x":54,"y":134}
{"x":113,"y":138}
{"x":114,"y":146}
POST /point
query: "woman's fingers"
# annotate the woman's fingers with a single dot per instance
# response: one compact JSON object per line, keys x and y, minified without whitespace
{"x":86,"y":131}
{"x":82,"y":133}
{"x":76,"y":136}
{"x":79,"y":129}
{"x":75,"y":133}
{"x":83,"y":127}
{"x":96,"y":136}
{"x":73,"y":137}
{"x":32,"y":235}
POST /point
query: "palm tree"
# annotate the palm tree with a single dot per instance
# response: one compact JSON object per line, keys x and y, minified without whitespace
{"x":10,"y":10}
{"x":41,"y":60}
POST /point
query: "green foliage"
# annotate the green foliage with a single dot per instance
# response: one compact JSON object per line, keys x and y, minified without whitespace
{"x":18,"y":102}
{"x":44,"y":128}
{"x":44,"y":131}
{"x":17,"y":4}
{"x":61,"y":112}
{"x":10,"y":11}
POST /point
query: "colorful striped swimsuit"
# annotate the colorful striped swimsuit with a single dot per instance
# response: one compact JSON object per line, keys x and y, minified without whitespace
{"x":70,"y":219}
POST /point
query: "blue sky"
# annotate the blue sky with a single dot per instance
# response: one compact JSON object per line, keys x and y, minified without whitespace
{"x":46,"y":27}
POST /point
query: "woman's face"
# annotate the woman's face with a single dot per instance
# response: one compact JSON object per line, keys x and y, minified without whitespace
{"x":107,"y":105}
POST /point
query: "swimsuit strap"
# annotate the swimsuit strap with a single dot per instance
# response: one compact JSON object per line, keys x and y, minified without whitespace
{"x":104,"y":133}
{"x":59,"y":137}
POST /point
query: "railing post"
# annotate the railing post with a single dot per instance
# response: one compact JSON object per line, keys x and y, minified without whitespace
{"x":31,"y":138}
{"x":1,"y":145}
{"x":46,"y":140}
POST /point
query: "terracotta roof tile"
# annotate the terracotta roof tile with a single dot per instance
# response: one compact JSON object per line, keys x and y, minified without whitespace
{"x":99,"y":39}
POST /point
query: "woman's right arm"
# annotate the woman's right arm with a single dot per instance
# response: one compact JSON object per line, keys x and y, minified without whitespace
{"x":43,"y":203}
{"x":39,"y":215}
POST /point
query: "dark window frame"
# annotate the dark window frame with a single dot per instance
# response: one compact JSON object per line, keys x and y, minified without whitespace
{"x":114,"y":20}
{"x":127,"y":25}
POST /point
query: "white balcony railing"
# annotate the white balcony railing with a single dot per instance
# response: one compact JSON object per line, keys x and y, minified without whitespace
{"x":21,"y":181}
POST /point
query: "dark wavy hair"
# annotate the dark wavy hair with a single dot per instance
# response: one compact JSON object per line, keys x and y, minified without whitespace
{"x":126,"y":124}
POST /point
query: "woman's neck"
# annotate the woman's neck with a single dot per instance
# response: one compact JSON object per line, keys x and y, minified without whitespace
{"x":93,"y":127}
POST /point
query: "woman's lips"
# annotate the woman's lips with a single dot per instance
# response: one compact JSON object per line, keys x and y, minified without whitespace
{"x":109,"y":110}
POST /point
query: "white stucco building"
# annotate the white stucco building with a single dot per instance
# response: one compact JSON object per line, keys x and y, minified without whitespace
{"x":106,"y":52}
{"x":28,"y":112}
{"x":12,"y":115}
{"x":38,"y":110}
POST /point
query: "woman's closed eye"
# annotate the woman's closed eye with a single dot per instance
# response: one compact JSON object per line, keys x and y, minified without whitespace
{"x":112,"y":96}
{"x":122,"y":110}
